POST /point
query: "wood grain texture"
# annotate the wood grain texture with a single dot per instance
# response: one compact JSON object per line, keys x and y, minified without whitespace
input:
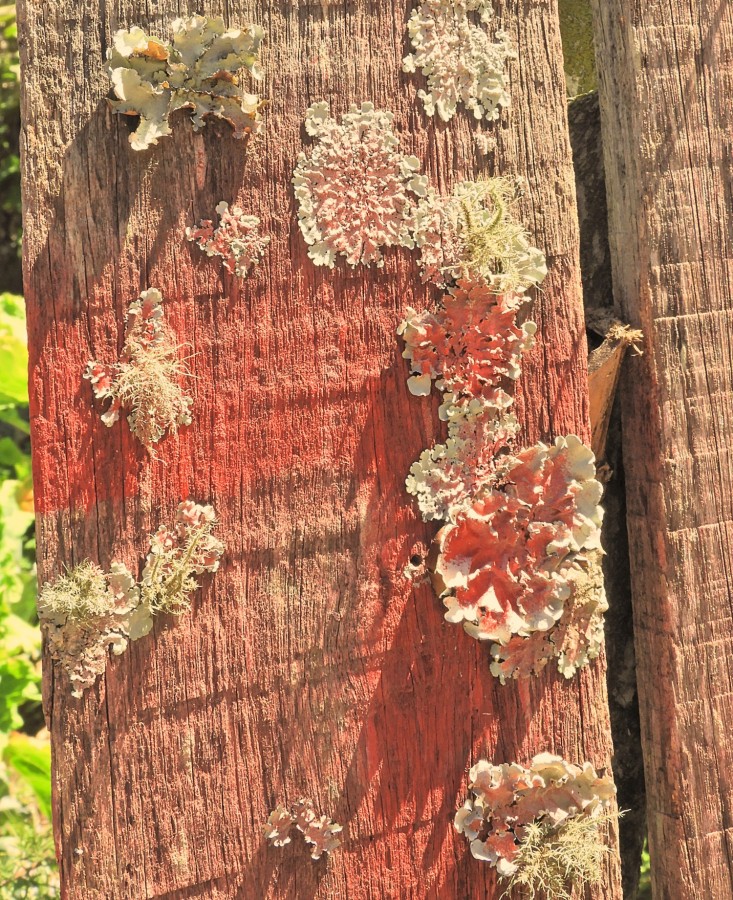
{"x":309,"y":665}
{"x":666,"y":88}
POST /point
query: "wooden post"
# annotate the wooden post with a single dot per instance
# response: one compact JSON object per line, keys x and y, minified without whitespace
{"x":309,"y":665}
{"x":666,"y":81}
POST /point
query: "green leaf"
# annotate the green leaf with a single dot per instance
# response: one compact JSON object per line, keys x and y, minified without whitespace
{"x":18,"y":684}
{"x":31,"y":760}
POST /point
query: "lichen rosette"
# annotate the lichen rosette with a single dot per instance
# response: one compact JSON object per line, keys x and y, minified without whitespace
{"x":356,"y":191}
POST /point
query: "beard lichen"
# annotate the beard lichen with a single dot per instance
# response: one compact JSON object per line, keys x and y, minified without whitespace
{"x":146,"y":381}
{"x":553,"y":860}
{"x":472,"y":235}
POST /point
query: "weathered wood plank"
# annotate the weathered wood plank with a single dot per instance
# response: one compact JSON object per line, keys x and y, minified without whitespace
{"x":309,"y":664}
{"x":666,"y":86}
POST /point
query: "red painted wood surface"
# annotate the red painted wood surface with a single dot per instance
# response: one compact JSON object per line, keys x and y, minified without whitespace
{"x":666,"y":89}
{"x":309,"y":665}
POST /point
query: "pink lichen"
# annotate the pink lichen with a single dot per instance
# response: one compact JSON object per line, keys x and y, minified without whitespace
{"x":146,"y":380}
{"x":514,"y":810}
{"x":356,"y":192}
{"x":511,"y":563}
{"x":177,"y":554}
{"x":236,"y":239}
{"x":470,"y":345}
{"x":320,"y":832}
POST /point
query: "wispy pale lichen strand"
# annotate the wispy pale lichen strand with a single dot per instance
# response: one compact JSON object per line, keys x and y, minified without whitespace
{"x":460,"y":60}
{"x":146,"y":380}
{"x":202,"y":70}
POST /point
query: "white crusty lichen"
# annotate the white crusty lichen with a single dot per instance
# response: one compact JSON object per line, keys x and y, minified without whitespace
{"x":319,"y":832}
{"x":146,"y":380}
{"x":461,"y":62}
{"x":356,"y":192}
{"x":86,"y":612}
{"x":177,"y":554}
{"x":237,"y":238}
{"x":202,"y":70}
{"x":540,"y":827}
{"x":472,"y":235}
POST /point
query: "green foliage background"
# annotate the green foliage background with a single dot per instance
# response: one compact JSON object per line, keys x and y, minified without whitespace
{"x":27,"y":862}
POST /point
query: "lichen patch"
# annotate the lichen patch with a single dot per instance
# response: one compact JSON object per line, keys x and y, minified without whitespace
{"x":177,"y":554}
{"x":539,"y":827}
{"x":237,"y":238}
{"x":321,"y":833}
{"x":356,"y":191}
{"x":147,"y":380}
{"x":202,"y":70}
{"x":85,"y":613}
{"x":473,"y":235}
{"x":462,"y":63}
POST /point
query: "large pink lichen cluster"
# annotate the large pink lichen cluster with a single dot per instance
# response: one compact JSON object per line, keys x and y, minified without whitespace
{"x":510,"y":563}
{"x":237,"y":238}
{"x":518,"y":562}
{"x":319,"y":832}
{"x":470,"y":345}
{"x":356,"y":192}
{"x":146,"y":380}
{"x":517,"y":814}
{"x":177,"y":554}
{"x":461,"y":62}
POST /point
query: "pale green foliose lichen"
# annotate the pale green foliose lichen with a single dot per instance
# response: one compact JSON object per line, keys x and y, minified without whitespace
{"x":202,"y":70}
{"x":237,"y":238}
{"x":319,"y":832}
{"x":460,"y":60}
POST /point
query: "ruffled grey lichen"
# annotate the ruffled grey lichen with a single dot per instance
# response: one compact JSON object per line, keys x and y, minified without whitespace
{"x":319,"y":832}
{"x":460,"y":61}
{"x":146,"y":381}
{"x":472,"y":235}
{"x":84,"y":613}
{"x":356,"y":192}
{"x":202,"y":70}
{"x":236,"y":239}
{"x":177,"y":554}
{"x":540,"y":827}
